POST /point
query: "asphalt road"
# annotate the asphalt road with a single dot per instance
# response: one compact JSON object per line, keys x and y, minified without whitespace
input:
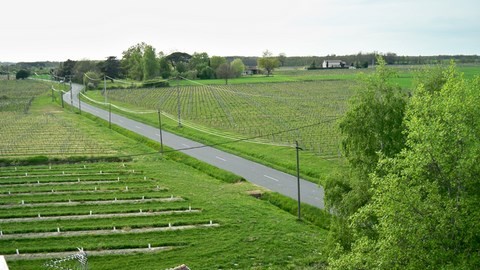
{"x":253,"y":172}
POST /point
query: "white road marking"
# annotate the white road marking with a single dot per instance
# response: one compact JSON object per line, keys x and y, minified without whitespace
{"x":186,"y":145}
{"x":158,"y":135}
{"x":269,"y":177}
{"x":138,"y":127}
{"x":222,"y":159}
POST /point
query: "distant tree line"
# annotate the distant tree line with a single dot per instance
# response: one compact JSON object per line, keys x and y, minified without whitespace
{"x":142,"y":62}
{"x":361,"y":58}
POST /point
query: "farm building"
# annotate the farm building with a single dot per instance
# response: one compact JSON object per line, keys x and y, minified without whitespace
{"x":252,"y":70}
{"x":334,"y":64}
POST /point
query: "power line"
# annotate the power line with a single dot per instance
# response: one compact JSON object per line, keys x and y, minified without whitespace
{"x":233,"y":141}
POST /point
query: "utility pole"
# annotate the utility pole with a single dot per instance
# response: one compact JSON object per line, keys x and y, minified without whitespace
{"x":178,"y":103}
{"x":71,"y":92}
{"x":52,"y":94}
{"x":105,"y":87}
{"x":298,"y":176}
{"x":79,"y":103}
{"x":160,"y":130}
{"x":61,"y":97}
{"x":110,"y":115}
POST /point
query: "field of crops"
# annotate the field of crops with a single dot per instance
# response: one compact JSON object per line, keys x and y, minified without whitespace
{"x":275,"y":113}
{"x":45,"y":133}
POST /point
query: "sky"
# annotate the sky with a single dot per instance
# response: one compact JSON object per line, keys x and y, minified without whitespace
{"x":57,"y":30}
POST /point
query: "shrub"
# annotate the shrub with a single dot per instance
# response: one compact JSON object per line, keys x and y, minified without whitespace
{"x":155,"y":83}
{"x":22,"y":74}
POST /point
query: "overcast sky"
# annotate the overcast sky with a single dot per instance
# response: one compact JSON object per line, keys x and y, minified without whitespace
{"x":58,"y":30}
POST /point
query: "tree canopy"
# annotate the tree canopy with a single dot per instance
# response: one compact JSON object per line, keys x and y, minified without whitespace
{"x":22,"y":74}
{"x":268,"y":62}
{"x":111,"y":67}
{"x":422,"y":211}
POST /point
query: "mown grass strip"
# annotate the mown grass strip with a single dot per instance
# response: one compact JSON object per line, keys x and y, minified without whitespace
{"x":109,"y":231}
{"x":92,"y":190}
{"x":97,"y":216}
{"x":74,"y":203}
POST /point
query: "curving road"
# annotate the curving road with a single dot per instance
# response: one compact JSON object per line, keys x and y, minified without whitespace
{"x":253,"y":172}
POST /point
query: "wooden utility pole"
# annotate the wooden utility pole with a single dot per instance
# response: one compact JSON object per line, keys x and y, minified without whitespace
{"x":298,"y":176}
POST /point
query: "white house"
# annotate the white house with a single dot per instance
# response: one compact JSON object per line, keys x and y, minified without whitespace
{"x":333,"y":64}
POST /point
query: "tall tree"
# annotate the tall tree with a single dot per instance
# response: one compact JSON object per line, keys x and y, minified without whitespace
{"x":110,"y":67}
{"x":81,"y":67}
{"x":268,"y":62}
{"x":216,"y":61}
{"x":66,"y":68}
{"x":237,"y":67}
{"x":132,"y":61}
{"x":178,"y":57}
{"x":199,"y":61}
{"x":151,"y":66}
{"x":165,"y":68}
{"x":426,"y":198}
{"x":371,"y":128}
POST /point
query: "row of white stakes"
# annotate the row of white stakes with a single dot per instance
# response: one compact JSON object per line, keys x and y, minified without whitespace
{"x":53,"y":191}
{"x":115,"y":199}
{"x":141,"y":211}
{"x":113,"y":229}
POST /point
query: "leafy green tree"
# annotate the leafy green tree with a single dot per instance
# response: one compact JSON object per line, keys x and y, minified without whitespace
{"x":206,"y":72}
{"x":432,"y":78}
{"x":182,"y":67}
{"x":22,"y":74}
{"x":132,"y":61}
{"x":237,"y":67}
{"x":165,"y":68}
{"x":216,"y":61}
{"x":178,"y":57}
{"x":151,"y":67}
{"x":268,"y":62}
{"x":199,"y":61}
{"x":81,"y":67}
{"x":426,"y":198}
{"x":371,"y":128}
{"x":110,"y":67}
{"x":66,"y":68}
